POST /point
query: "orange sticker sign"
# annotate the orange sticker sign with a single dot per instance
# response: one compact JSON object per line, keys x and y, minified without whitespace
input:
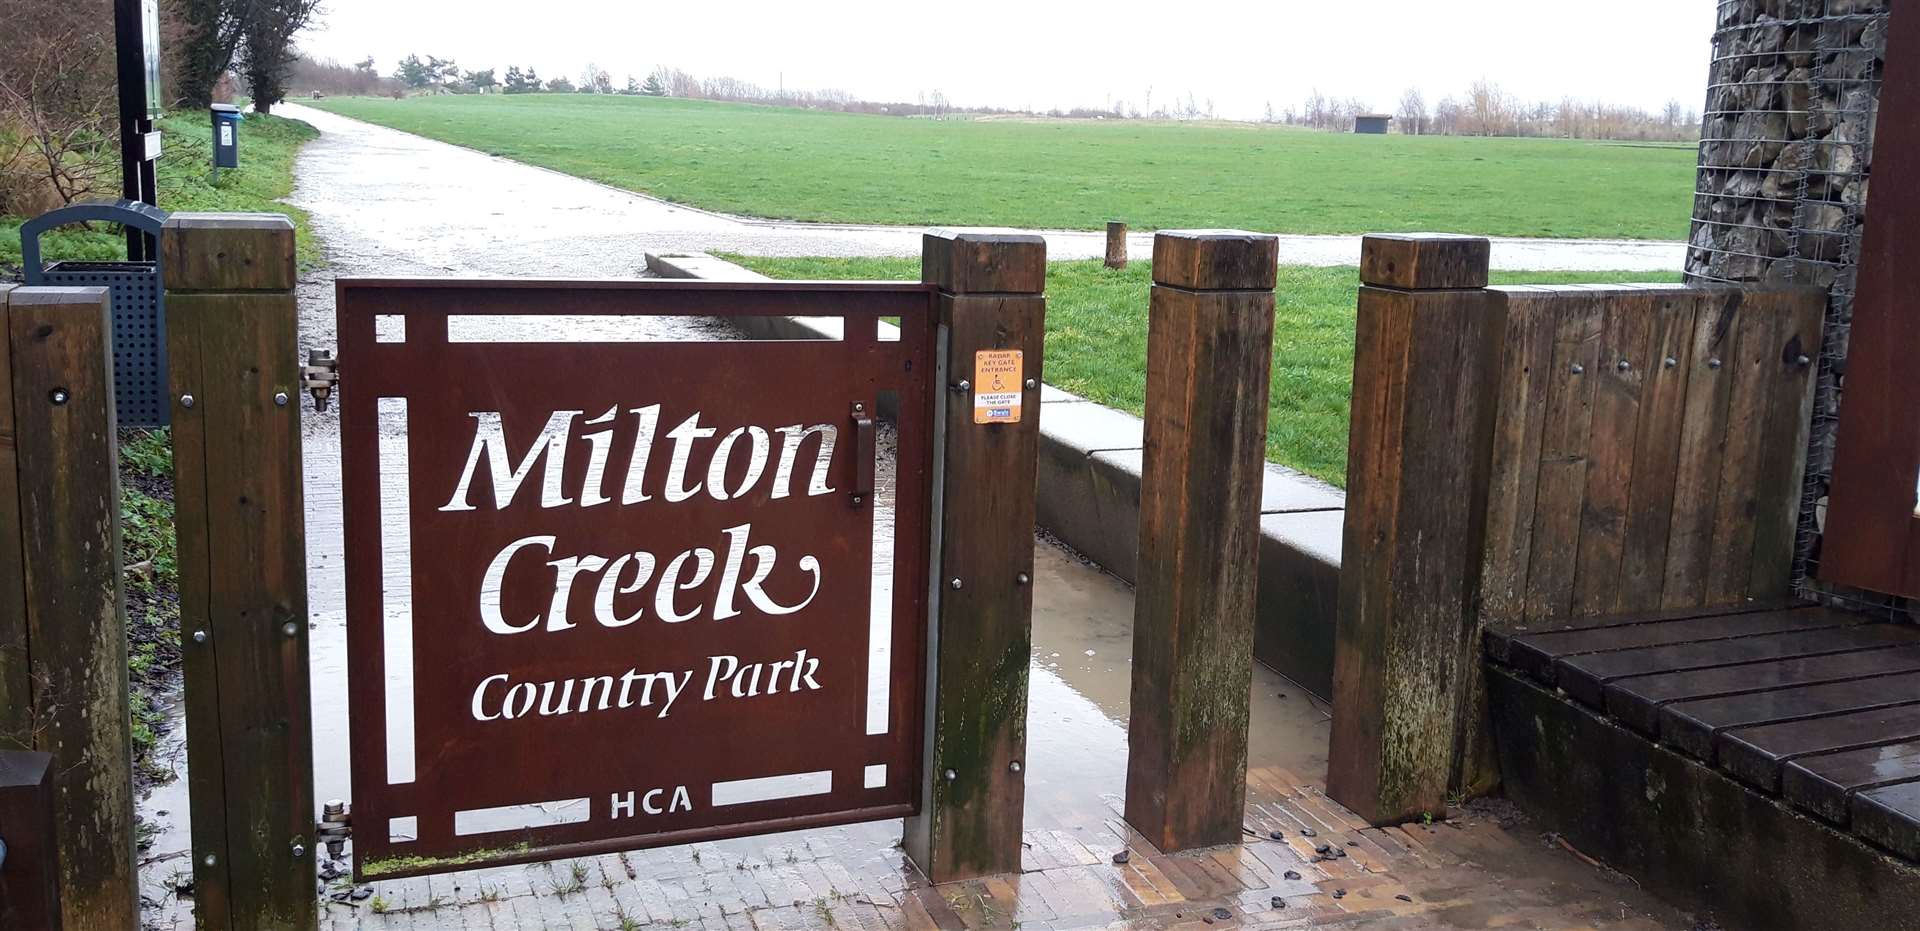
{"x":996,"y":386}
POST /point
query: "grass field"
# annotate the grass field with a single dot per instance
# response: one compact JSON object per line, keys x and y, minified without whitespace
{"x":1097,"y":341}
{"x":267,"y":147}
{"x":807,"y":165}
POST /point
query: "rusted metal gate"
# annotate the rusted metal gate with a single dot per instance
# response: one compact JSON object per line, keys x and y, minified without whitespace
{"x":1872,"y":531}
{"x":620,"y":593}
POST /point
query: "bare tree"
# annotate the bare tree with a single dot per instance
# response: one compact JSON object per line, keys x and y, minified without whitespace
{"x":1489,"y":111}
{"x":56,"y":104}
{"x":1412,"y":115}
{"x":1447,"y":116}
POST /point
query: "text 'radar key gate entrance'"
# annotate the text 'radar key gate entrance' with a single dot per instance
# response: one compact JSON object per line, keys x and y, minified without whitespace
{"x":621,"y":593}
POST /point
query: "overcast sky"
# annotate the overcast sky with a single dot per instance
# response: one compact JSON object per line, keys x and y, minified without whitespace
{"x":1046,"y":53}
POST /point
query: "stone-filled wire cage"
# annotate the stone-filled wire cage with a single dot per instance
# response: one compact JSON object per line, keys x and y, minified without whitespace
{"x":1786,"y":151}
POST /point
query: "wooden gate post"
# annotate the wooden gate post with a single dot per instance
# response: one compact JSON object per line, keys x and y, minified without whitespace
{"x":1209,"y":352}
{"x":973,"y":790}
{"x":63,"y":640}
{"x":1116,"y":244}
{"x":1425,"y":359}
{"x":235,"y":378}
{"x":29,"y":886}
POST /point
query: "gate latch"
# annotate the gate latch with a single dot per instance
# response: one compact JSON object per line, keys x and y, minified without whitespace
{"x":862,"y":456}
{"x":320,"y":376}
{"x":336,"y":823}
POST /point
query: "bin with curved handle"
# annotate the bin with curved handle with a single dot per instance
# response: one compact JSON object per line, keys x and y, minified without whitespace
{"x":139,"y":303}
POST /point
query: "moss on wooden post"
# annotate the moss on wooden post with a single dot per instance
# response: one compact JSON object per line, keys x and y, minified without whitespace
{"x":973,"y":787}
{"x":1425,"y":354}
{"x":1209,"y":353}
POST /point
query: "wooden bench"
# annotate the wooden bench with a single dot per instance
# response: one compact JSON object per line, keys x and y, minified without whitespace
{"x":1817,"y":707}
{"x":1568,"y":569}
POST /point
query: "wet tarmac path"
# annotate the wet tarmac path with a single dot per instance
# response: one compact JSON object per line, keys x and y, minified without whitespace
{"x":379,"y":213}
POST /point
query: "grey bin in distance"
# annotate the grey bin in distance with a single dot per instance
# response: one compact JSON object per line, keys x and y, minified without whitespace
{"x":226,"y":135}
{"x":138,"y":304}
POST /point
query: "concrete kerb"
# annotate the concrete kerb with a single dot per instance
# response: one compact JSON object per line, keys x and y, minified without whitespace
{"x":1089,"y":497}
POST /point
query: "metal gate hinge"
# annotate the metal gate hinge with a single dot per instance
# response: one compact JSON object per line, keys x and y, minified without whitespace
{"x":320,"y":376}
{"x":336,"y":825}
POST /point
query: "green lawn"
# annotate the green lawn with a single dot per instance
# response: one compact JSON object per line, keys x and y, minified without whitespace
{"x":1097,"y":340}
{"x":267,"y":147}
{"x":808,"y":165}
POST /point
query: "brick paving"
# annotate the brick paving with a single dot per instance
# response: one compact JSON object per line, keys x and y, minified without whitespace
{"x":1442,"y":875}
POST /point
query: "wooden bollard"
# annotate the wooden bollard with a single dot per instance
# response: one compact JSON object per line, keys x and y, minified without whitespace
{"x":973,"y":788}
{"x":1116,"y":244}
{"x":29,"y":890}
{"x":241,"y":520}
{"x":1209,"y":352}
{"x":63,"y":641}
{"x":1425,"y":357}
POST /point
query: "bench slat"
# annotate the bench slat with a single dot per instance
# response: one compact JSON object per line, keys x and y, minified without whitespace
{"x":1890,"y":817}
{"x":1635,"y":700}
{"x":1585,"y":676}
{"x":1825,"y":784}
{"x":1535,"y":654}
{"x":1755,"y":755}
{"x":1691,"y":725}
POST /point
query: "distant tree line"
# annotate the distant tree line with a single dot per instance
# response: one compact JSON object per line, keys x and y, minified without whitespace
{"x":1487,"y":110}
{"x":1484,"y":110}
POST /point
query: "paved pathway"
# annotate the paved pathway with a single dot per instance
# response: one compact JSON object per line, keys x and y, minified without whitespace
{"x":398,"y":185}
{"x":379,"y":201}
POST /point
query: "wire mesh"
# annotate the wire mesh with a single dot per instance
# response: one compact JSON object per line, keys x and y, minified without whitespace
{"x":1786,"y":152}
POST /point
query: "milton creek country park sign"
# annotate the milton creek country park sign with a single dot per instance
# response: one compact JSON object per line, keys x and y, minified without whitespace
{"x":608,"y":592}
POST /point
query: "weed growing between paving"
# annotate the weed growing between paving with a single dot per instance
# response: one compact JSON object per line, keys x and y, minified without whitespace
{"x":1097,"y":340}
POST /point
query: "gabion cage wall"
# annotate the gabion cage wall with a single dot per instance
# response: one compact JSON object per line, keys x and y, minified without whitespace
{"x":1786,"y":151}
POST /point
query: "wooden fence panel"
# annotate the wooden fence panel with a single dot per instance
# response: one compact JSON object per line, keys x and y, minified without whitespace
{"x":1789,"y":420}
{"x":1703,"y":434}
{"x":1562,"y":484}
{"x":1729,"y":559}
{"x":1619,"y":379}
{"x":1644,"y":455}
{"x":1663,"y":410}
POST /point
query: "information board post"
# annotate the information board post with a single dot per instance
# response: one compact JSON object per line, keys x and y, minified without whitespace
{"x":992,"y":311}
{"x":136,"y":29}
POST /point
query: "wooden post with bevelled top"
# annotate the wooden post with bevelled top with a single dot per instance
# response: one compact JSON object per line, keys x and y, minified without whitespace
{"x":992,"y":313}
{"x":1209,"y":355}
{"x":63,"y":641}
{"x":1426,"y":353}
{"x":235,"y":376}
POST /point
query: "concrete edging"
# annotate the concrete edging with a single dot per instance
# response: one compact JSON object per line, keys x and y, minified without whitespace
{"x":1089,"y":497}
